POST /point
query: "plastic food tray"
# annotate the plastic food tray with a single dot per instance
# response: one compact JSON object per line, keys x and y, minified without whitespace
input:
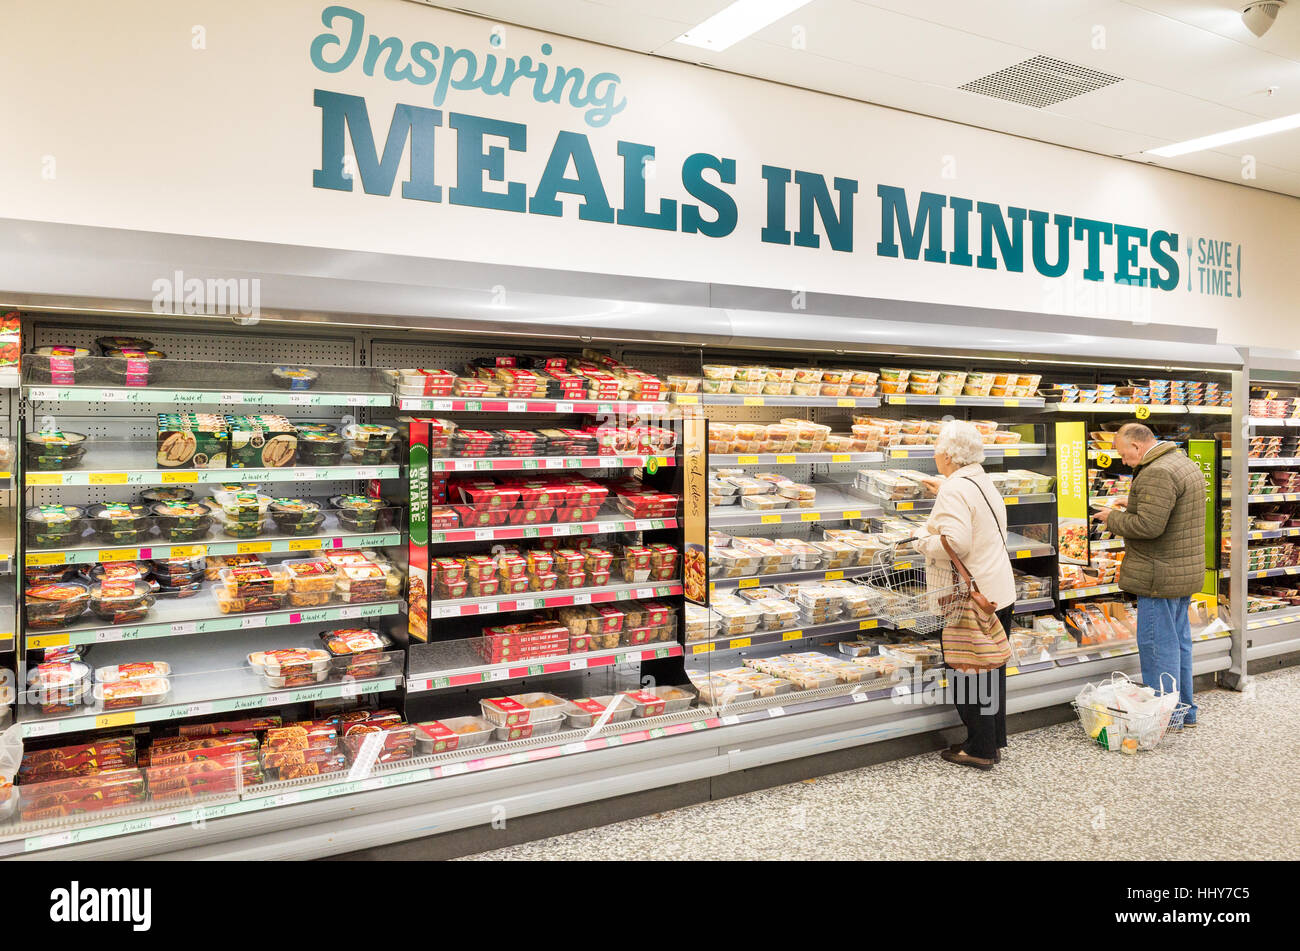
{"x":580,"y":719}
{"x":426,"y":745}
{"x":675,"y":699}
{"x":522,"y":731}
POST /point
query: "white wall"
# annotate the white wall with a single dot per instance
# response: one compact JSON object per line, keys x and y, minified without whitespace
{"x":119,"y":120}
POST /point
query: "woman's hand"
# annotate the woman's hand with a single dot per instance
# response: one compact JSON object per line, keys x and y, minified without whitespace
{"x":931,"y":486}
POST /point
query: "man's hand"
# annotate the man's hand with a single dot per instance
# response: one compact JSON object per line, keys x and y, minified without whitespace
{"x":1101,"y":515}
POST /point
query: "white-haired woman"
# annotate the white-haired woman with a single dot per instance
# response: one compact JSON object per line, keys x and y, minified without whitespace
{"x":969,"y":512}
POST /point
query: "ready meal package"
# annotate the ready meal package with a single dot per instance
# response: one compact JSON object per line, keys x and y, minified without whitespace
{"x":262,"y":442}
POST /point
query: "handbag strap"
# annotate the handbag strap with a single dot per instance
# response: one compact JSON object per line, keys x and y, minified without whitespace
{"x":996,"y":523}
{"x":981,"y":602}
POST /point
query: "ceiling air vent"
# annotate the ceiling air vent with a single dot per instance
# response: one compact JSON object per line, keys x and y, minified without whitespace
{"x":1040,"y":82}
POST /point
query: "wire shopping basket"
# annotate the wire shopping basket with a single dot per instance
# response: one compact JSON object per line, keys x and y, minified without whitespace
{"x":909,"y":596}
{"x":1117,"y":729}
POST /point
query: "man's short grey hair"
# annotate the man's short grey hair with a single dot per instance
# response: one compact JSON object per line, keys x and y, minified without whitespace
{"x":961,"y":442}
{"x":1136,"y":432}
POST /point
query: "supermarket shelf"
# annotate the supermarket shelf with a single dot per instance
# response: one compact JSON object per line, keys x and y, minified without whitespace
{"x":990,"y":452}
{"x":794,"y":577}
{"x":270,"y":543}
{"x":793,"y":458}
{"x":341,"y":813}
{"x":763,"y":638}
{"x":8,"y":620}
{"x":460,"y":666}
{"x":1070,"y":593}
{"x":1131,"y":409}
{"x":550,"y":407}
{"x":1272,"y":421}
{"x":925,"y":505}
{"x":135,"y":466}
{"x":1107,"y":544}
{"x":1018,"y":546}
{"x":208,"y":676}
{"x":1034,"y":605}
{"x":1087,"y":656}
{"x":1265,"y":619}
{"x":1261,"y":534}
{"x":910,"y":399}
{"x":475,"y":607}
{"x":832,"y":506}
{"x":1264,"y":573}
{"x":736,"y":399}
{"x":517,"y":463}
{"x":157,"y":394}
{"x":175,"y":617}
{"x":503,"y":532}
{"x":1274,"y":497}
{"x":1264,"y":463}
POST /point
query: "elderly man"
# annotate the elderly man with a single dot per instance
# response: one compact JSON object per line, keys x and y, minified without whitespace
{"x":1163,"y":527}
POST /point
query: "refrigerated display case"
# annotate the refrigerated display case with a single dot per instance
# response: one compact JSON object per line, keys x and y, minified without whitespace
{"x":704,"y":692}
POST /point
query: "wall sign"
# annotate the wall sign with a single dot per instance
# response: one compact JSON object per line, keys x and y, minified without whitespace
{"x":398,"y":128}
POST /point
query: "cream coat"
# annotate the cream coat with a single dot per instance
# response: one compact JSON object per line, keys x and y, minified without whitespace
{"x":961,"y":516}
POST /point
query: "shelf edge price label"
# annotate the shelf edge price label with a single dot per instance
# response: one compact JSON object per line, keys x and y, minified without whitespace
{"x":252,"y":548}
{"x":106,"y":478}
{"x":769,"y":519}
{"x":45,"y":478}
{"x":792,"y":635}
{"x":846,"y":401}
{"x":168,"y":478}
{"x":947,"y":401}
{"x":1143,"y":412}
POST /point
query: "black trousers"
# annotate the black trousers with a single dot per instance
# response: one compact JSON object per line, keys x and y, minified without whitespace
{"x":981,"y":701}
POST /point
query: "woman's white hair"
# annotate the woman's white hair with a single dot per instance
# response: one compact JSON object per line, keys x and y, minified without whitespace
{"x":961,"y":442}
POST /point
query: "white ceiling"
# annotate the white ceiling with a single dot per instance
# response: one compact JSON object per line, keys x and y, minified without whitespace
{"x":1190,"y":67}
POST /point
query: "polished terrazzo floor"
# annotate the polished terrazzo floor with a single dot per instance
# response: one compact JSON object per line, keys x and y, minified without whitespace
{"x":1228,"y":790}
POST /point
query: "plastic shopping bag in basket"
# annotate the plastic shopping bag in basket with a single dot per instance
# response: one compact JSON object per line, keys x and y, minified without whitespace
{"x":1149,"y":712}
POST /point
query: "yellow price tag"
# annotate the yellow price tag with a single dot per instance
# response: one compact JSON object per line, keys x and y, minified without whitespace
{"x":834,"y":575}
{"x":846,"y":401}
{"x":701,"y":648}
{"x":305,"y":544}
{"x":47,"y":640}
{"x":1012,"y":671}
{"x":947,"y":401}
{"x":769,"y":519}
{"x":124,"y":718}
{"x":1104,"y":461}
{"x":747,"y":583}
{"x":1013,"y":451}
{"x":854,"y":514}
{"x":810,"y":516}
{"x":740,"y":642}
{"x":189,"y":551}
{"x":107,"y":478}
{"x":171,"y":478}
{"x":791,"y":635}
{"x":906,"y":506}
{"x":45,"y":478}
{"x":1010,"y":500}
{"x":118,"y":554}
{"x":898,"y":453}
{"x":47,"y":558}
{"x":1143,"y":412}
{"x":867,"y":625}
{"x":786,"y":460}
{"x":841,"y":457}
{"x":1011,"y":402}
{"x":898,"y":400}
{"x":688,"y":398}
{"x":1023,"y":554}
{"x":252,"y":548}
{"x":753,"y":401}
{"x":746,"y":460}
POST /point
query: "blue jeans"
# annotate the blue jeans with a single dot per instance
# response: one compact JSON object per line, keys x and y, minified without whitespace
{"x":1164,"y":636}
